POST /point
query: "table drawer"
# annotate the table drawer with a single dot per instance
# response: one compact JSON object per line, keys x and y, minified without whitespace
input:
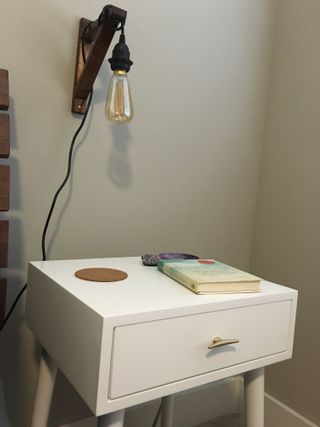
{"x":151,"y":354}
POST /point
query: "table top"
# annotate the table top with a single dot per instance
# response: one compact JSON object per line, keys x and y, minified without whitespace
{"x":146,"y":289}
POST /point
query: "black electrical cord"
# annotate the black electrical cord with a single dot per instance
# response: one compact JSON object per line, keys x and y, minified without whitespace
{"x":54,"y":200}
{"x":156,"y":418}
{"x":55,"y":197}
{"x":12,"y":307}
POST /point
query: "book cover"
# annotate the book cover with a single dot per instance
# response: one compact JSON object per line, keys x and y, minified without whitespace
{"x":204,"y":276}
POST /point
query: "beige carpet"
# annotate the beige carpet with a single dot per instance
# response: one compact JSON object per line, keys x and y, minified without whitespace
{"x":228,"y":421}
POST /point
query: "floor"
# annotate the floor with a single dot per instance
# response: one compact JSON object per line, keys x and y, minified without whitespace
{"x":228,"y":421}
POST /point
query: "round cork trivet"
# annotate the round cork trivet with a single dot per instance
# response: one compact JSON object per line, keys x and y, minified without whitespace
{"x":101,"y":274}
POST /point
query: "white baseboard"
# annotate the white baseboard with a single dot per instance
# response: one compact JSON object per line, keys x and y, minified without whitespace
{"x":279,"y":415}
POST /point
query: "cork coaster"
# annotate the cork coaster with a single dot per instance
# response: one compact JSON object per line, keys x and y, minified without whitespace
{"x":101,"y":274}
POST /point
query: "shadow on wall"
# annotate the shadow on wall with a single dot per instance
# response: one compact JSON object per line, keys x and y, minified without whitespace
{"x":4,"y":420}
{"x":62,"y":414}
{"x":119,"y":167}
{"x":16,"y":374}
{"x":16,"y":378}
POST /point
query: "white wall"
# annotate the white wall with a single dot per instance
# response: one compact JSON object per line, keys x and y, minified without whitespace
{"x":183,"y":176}
{"x":286,"y":243}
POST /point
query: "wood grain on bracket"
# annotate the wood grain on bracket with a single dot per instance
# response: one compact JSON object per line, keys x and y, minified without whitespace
{"x":3,"y":296}
{"x":4,"y":89}
{"x":4,"y":135}
{"x":4,"y":187}
{"x":4,"y":232}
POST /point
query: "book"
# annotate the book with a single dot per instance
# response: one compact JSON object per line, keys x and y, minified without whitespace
{"x":207,"y":276}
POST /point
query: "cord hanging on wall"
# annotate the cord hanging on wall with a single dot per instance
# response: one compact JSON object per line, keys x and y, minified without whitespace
{"x":93,"y":42}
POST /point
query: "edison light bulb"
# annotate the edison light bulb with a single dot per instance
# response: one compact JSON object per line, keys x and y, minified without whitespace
{"x":119,"y":107}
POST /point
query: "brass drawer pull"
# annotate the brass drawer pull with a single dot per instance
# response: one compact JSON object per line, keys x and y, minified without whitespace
{"x":219,"y":342}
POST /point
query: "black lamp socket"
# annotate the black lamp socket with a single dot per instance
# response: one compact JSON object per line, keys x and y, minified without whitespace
{"x":120,"y":59}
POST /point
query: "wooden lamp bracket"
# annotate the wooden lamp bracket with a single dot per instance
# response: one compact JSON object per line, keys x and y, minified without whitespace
{"x":93,"y":42}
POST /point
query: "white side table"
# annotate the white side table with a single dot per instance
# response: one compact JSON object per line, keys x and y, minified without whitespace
{"x":124,"y":343}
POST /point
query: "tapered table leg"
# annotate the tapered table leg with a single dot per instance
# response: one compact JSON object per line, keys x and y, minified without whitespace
{"x":167,"y":405}
{"x":115,"y":419}
{"x":44,"y":391}
{"x":254,"y":397}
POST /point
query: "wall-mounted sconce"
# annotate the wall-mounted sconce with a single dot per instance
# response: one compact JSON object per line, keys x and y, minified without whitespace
{"x":93,"y":42}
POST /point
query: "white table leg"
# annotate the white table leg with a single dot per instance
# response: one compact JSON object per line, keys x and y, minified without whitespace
{"x":115,"y":419}
{"x":254,"y":397}
{"x":45,"y":386}
{"x":167,"y":405}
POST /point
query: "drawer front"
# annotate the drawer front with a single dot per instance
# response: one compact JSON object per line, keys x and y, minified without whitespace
{"x":151,"y":354}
